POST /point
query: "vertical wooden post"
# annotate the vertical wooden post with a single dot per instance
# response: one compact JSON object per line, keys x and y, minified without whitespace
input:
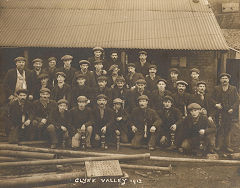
{"x":25,"y":53}
{"x":123,"y":60}
{"x":223,"y":61}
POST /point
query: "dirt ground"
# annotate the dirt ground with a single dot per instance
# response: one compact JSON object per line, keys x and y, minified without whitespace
{"x":183,"y":176}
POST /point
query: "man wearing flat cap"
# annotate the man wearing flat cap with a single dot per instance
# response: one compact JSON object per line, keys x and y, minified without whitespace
{"x":84,"y":69}
{"x":142,"y":65}
{"x":138,"y":91}
{"x":98,"y":54}
{"x":82,"y":122}
{"x":102,"y":121}
{"x":51,"y":70}
{"x":170,"y":116}
{"x":196,"y":133}
{"x":132,"y":76}
{"x":67,"y":69}
{"x":173,"y":78}
{"x":59,"y":127}
{"x":145,"y":124}
{"x":159,"y":93}
{"x":37,"y":66}
{"x":115,"y":60}
{"x":152,"y":78}
{"x":226,"y":102}
{"x":182,"y":98}
{"x":194,"y":74}
{"x":18,"y":78}
{"x":20,"y":126}
{"x":62,"y":90}
{"x":42,"y":109}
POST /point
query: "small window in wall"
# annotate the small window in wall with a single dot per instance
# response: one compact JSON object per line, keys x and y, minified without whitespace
{"x":179,"y":61}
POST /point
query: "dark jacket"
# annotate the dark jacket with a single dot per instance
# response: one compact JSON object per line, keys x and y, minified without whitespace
{"x":51,"y":76}
{"x":16,"y":112}
{"x":142,"y":69}
{"x":172,"y":86}
{"x":106,"y":91}
{"x":60,"y":93}
{"x":69,"y":74}
{"x":151,"y":84}
{"x":140,"y":117}
{"x":90,"y":79}
{"x":157,"y":99}
{"x":123,"y":94}
{"x":124,"y":123}
{"x":80,"y":91}
{"x":135,"y":77}
{"x":10,"y":81}
{"x":182,"y":101}
{"x":40,"y":112}
{"x":133,"y":98}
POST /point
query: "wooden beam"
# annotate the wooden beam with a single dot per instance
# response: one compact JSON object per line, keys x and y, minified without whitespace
{"x":27,"y":154}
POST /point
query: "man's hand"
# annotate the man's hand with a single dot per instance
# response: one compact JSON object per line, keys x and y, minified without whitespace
{"x":230,"y":111}
{"x":64,"y":128}
{"x":133,"y":87}
{"x":44,"y":121}
{"x":11,"y":97}
{"x":163,"y":140}
{"x":173,"y":127}
{"x":27,"y":122}
{"x":210,"y":119}
{"x":119,"y":118}
{"x":104,"y":129}
{"x":219,"y":106}
{"x":201,"y":131}
{"x":97,"y":137}
{"x":117,"y":132}
{"x":83,"y":128}
{"x":152,"y":129}
{"x":134,"y":129}
{"x":30,"y":97}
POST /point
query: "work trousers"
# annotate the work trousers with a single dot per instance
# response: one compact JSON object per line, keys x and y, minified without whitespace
{"x":138,"y":139}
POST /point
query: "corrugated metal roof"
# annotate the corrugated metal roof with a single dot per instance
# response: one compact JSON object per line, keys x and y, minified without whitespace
{"x":151,"y":24}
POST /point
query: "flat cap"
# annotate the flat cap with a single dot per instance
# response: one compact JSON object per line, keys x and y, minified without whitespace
{"x":37,"y":60}
{"x":61,"y":73}
{"x":66,"y":57}
{"x":52,"y":59}
{"x":112,"y":67}
{"x":102,"y":78}
{"x":224,"y":74}
{"x":98,"y":48}
{"x":162,"y":80}
{"x":143,"y":97}
{"x":194,"y":106}
{"x":195,"y":70}
{"x":174,"y":70}
{"x":43,"y":90}
{"x":131,"y":65}
{"x":201,"y":82}
{"x":101,"y":96}
{"x":63,"y":101}
{"x":142,"y":52}
{"x":42,"y":76}
{"x":167,"y":97}
{"x":120,"y":79}
{"x":182,"y":82}
{"x":141,"y":81}
{"x":82,"y":99}
{"x":20,"y":59}
{"x":152,"y":66}
{"x":79,"y":75}
{"x":81,"y":62}
{"x":117,"y":100}
{"x":22,"y":91}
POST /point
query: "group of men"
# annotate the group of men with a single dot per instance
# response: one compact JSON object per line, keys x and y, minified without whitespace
{"x":103,"y":103}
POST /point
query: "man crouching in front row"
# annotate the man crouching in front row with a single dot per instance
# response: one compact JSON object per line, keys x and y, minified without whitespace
{"x":197,"y":133}
{"x":145,"y":124}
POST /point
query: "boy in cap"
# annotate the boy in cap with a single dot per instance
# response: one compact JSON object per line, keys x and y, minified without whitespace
{"x":132,"y":76}
{"x":159,"y":93}
{"x":194,"y":74}
{"x":51,"y":70}
{"x":113,"y":73}
{"x":170,"y":117}
{"x":67,"y":68}
{"x":181,"y":97}
{"x":197,"y":133}
{"x":18,"y":78}
{"x":152,"y":78}
{"x":142,"y":65}
{"x":20,"y":116}
{"x":145,"y":124}
{"x":102,"y":121}
{"x":84,"y":69}
{"x":81,"y":89}
{"x":121,"y":120}
{"x":82,"y":122}
{"x":62,"y":90}
{"x":173,"y":78}
{"x":226,"y":101}
{"x":42,"y":109}
{"x":37,"y":66}
{"x":59,"y":126}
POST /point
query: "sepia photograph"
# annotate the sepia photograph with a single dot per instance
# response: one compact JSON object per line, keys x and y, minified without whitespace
{"x":120,"y":93}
